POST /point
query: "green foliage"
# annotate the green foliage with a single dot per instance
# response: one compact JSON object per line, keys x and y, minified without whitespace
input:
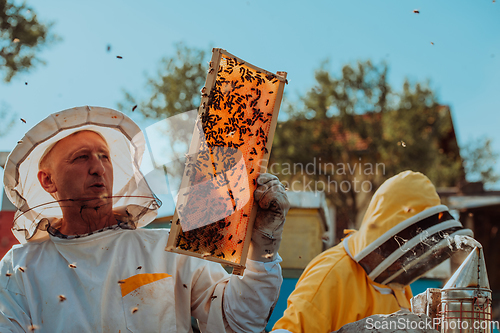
{"x":357,"y":129}
{"x":352,"y":128}
{"x":480,"y":160}
{"x":419,"y":135}
{"x":22,"y":36}
{"x":176,"y":88}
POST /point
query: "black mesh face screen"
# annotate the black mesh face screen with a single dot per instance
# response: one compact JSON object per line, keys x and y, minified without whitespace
{"x":396,"y":242}
{"x":423,"y":266}
{"x":414,"y":254}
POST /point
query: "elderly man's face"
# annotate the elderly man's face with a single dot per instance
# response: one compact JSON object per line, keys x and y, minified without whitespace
{"x":78,"y":167}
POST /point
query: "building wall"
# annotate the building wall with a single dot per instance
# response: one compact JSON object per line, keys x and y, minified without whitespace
{"x":7,"y":239}
{"x":301,"y":240}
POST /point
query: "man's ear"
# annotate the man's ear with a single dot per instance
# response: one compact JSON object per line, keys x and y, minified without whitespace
{"x":45,"y":179}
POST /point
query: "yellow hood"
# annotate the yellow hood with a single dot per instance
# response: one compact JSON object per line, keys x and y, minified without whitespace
{"x":396,"y":200}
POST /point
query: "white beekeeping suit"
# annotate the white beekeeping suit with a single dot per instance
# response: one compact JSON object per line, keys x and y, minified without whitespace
{"x":116,"y":279}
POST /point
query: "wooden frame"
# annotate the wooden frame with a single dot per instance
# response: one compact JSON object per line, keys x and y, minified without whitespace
{"x":236,"y":124}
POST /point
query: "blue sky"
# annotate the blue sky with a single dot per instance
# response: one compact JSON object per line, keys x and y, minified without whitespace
{"x":463,"y":65}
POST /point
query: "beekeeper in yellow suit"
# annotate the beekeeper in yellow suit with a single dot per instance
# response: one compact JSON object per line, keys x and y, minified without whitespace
{"x":404,"y":233}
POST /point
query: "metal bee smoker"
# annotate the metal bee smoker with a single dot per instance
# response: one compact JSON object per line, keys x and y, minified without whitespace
{"x":466,"y":298}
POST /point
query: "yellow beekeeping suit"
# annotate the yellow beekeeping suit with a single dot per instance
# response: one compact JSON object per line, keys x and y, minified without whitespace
{"x":335,"y":289}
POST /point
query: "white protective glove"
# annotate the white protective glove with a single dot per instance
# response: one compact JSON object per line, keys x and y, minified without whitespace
{"x":272,"y":208}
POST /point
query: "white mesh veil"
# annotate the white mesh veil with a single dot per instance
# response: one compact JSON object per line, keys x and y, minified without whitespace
{"x":133,"y":199}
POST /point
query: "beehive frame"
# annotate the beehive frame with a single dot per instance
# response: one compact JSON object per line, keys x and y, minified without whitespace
{"x":230,"y":124}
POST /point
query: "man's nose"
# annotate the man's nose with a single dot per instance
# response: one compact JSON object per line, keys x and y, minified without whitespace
{"x":96,"y":166}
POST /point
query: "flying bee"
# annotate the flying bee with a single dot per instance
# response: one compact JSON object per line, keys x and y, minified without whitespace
{"x":135,"y":107}
{"x":139,"y":267}
{"x":184,"y":285}
{"x":416,"y":11}
{"x":134,"y":310}
{"x":8,"y":274}
{"x":72,"y":266}
{"x":121,"y":281}
{"x":24,"y":121}
{"x":21,"y":269}
{"x":33,"y":328}
{"x":62,"y":298}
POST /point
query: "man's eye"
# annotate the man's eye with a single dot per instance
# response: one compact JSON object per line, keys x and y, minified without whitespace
{"x":81,"y":157}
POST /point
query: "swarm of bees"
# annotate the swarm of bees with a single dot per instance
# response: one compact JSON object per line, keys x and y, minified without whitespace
{"x":236,"y":114}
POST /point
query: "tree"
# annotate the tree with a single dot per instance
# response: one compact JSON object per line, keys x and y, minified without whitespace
{"x":354,"y":132}
{"x":22,"y":36}
{"x":176,"y":88}
{"x":480,"y":160}
{"x":345,"y":136}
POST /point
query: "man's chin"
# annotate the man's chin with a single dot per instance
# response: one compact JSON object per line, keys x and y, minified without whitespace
{"x":99,"y":200}
{"x":94,"y":201}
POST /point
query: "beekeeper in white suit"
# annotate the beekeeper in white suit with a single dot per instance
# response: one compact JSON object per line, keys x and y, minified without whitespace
{"x":85,"y":265}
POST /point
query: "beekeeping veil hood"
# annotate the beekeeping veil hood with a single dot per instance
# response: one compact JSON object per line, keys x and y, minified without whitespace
{"x":133,"y":200}
{"x":405,"y":231}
